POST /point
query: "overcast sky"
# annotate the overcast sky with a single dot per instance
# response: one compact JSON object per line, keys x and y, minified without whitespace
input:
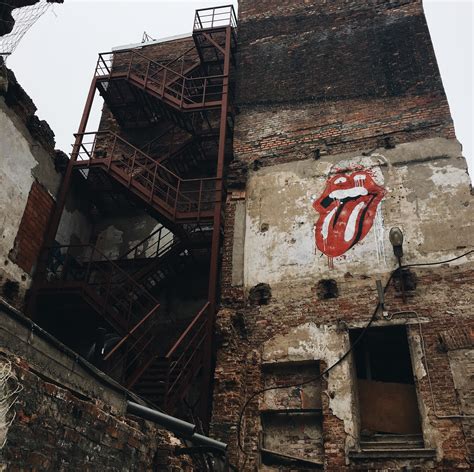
{"x":56,"y":59}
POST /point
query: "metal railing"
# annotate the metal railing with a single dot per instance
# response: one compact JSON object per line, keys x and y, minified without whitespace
{"x":156,"y":183}
{"x":176,"y":82}
{"x":186,"y":355}
{"x":217,"y":17}
{"x":182,"y":362}
{"x":155,"y":245}
{"x":114,"y":292}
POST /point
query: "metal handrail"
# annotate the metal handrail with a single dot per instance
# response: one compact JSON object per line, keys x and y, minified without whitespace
{"x":215,"y":13}
{"x":131,"y":332}
{"x":146,"y":156}
{"x":157,"y":179}
{"x":185,"y":333}
{"x":174,"y":241}
{"x":90,"y":260}
{"x":185,"y":83}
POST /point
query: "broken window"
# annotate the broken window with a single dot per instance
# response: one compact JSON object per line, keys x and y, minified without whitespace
{"x":291,"y":416}
{"x":387,"y":394}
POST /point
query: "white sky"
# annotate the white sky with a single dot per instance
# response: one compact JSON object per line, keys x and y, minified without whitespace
{"x":55,"y":60}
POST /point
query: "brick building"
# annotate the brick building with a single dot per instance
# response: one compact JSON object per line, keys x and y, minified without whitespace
{"x":270,"y":235}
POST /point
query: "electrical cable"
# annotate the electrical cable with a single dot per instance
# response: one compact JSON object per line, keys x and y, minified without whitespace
{"x":313,"y":379}
{"x":344,"y":356}
{"x":425,"y":264}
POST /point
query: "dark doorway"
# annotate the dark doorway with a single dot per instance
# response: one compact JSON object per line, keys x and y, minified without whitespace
{"x":387,"y":394}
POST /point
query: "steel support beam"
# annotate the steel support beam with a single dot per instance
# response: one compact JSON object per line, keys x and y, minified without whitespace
{"x":61,"y":199}
{"x":216,"y":233}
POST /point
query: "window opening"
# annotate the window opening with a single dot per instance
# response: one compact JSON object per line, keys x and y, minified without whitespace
{"x":292,"y":417}
{"x":386,"y":387}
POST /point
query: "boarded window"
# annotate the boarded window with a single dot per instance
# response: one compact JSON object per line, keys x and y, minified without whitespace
{"x":387,"y":395}
{"x":291,"y":416}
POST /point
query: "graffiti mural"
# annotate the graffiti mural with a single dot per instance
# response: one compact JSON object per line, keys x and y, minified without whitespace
{"x":347,"y":209}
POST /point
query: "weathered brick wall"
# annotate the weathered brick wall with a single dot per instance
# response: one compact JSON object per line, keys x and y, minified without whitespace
{"x":334,"y":76}
{"x":29,"y":239}
{"x":30,"y":176}
{"x":57,"y":430}
{"x":239,"y":371}
{"x":317,"y":79}
{"x":68,"y":416}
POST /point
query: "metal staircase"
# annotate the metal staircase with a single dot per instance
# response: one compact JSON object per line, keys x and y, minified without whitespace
{"x":184,"y":105}
{"x":178,"y":200}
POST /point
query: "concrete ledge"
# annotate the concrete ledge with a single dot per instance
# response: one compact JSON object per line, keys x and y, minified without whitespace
{"x":368,"y":454}
{"x":55,"y":362}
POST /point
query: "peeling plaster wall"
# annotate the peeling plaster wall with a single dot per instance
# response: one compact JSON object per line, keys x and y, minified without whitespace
{"x":22,"y":161}
{"x":279,"y":239}
{"x":310,"y":342}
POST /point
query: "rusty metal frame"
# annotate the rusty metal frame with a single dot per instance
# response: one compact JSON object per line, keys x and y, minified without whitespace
{"x":187,"y":94}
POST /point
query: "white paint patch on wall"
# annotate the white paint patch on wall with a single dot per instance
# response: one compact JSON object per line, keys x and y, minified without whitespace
{"x":16,"y":179}
{"x":427,"y":195}
{"x":282,"y":198}
{"x":73,"y":223}
{"x":309,"y":342}
{"x":109,"y":242}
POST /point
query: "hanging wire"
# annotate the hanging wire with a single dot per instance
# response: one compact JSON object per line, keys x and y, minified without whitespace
{"x":23,"y":19}
{"x":9,"y":390}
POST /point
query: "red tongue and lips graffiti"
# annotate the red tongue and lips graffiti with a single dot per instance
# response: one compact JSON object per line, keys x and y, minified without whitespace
{"x":347,"y":210}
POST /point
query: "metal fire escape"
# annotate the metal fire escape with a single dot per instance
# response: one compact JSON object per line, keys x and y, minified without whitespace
{"x":177,"y":176}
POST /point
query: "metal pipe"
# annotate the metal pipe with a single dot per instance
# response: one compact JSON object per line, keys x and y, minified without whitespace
{"x":201,"y":440}
{"x":175,"y":425}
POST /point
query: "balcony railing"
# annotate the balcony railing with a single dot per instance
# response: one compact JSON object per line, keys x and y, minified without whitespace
{"x":218,"y":17}
{"x":154,"y":182}
{"x":175,"y":81}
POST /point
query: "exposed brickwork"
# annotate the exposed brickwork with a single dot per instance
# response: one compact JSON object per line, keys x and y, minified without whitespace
{"x":459,"y":337}
{"x":288,"y":133}
{"x":239,"y":372}
{"x":32,"y":228}
{"x":334,"y":76}
{"x":55,"y":429}
{"x":324,"y":77}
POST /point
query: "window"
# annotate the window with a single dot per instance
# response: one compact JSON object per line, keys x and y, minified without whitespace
{"x":387,"y":395}
{"x":291,"y":417}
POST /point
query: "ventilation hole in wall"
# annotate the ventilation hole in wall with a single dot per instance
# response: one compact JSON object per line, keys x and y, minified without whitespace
{"x":260,"y":294}
{"x":10,"y":289}
{"x":410,"y":281}
{"x":327,"y":288}
{"x":388,"y":142}
{"x":257,"y":164}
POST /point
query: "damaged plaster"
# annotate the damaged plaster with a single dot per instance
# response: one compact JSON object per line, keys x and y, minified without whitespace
{"x":309,"y":342}
{"x":279,"y":238}
{"x":23,"y":162}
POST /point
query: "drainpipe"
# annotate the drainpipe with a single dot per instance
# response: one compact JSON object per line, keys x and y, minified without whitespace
{"x":182,"y":429}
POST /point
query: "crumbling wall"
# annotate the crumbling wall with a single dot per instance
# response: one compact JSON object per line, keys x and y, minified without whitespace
{"x":70,"y":416}
{"x":343,"y":131}
{"x":295,"y":328}
{"x":29,"y":183}
{"x":281,"y":246}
